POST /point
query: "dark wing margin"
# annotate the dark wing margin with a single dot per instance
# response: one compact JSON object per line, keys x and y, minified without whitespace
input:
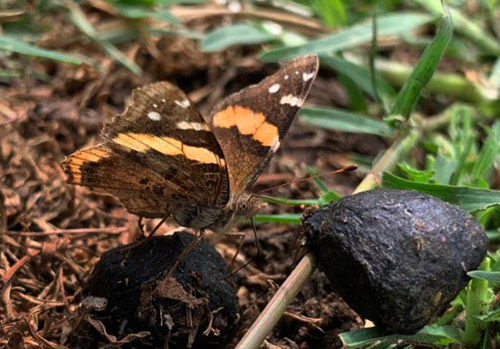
{"x":157,"y":156}
{"x":250,"y":124}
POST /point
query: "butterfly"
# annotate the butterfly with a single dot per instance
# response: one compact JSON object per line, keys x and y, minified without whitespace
{"x":161,"y":159}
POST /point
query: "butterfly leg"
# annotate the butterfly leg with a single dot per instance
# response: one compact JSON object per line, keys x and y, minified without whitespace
{"x":155,"y":229}
{"x":188,"y":249}
{"x":240,"y":245}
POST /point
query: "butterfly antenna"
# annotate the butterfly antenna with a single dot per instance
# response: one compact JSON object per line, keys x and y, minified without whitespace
{"x":347,"y":168}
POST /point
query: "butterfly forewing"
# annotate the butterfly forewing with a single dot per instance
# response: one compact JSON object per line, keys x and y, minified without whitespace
{"x":159,"y":155}
{"x":250,"y":124}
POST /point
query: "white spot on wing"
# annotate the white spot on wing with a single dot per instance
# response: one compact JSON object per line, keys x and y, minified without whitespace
{"x":275,"y":88}
{"x":183,"y":104}
{"x":307,"y":76}
{"x":163,"y":100}
{"x":155,"y":105}
{"x":286,"y":77}
{"x":154,"y":116}
{"x":292,"y":100}
{"x":296,"y":72}
{"x":197,"y":126}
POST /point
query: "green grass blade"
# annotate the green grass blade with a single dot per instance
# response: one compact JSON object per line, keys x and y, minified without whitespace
{"x":335,"y":119}
{"x":317,"y":180}
{"x":361,"y":76}
{"x":490,"y":276}
{"x":128,"y":34}
{"x":289,"y":202}
{"x":12,"y":44}
{"x":388,"y":24}
{"x":436,"y":335}
{"x":278,"y":218}
{"x":478,"y":303}
{"x":495,"y":74}
{"x":444,"y":169}
{"x":237,"y":34}
{"x":182,"y":2}
{"x":489,"y":152}
{"x":77,"y":16}
{"x":465,"y":27}
{"x":333,"y":12}
{"x":142,"y":12}
{"x":425,"y":68}
{"x":469,"y":199}
{"x":493,"y":315}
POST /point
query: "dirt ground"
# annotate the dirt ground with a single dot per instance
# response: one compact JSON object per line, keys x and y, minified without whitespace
{"x":55,"y":232}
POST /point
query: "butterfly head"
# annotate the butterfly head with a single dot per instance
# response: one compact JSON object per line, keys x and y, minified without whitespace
{"x":248,"y":205}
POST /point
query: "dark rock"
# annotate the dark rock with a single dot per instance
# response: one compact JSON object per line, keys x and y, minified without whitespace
{"x":139,"y":293}
{"x":397,"y":257}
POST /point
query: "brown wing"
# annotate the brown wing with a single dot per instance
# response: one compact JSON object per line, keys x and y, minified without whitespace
{"x":250,"y":124}
{"x":159,"y":157}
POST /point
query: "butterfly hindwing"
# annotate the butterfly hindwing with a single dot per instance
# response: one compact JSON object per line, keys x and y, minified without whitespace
{"x":158,"y":155}
{"x":250,"y":124}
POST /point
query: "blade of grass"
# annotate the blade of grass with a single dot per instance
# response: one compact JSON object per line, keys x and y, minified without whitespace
{"x":490,"y":276}
{"x":489,"y":152}
{"x":317,"y":181}
{"x":444,"y":169}
{"x":469,"y":199}
{"x":289,"y":202}
{"x":465,"y":27}
{"x":425,"y":68}
{"x":333,"y":12}
{"x":450,"y":84}
{"x":12,"y":44}
{"x":495,"y":74}
{"x":371,"y":65}
{"x":477,"y":304}
{"x":237,"y":34}
{"x":142,"y":12}
{"x":335,"y":119}
{"x":127,"y":34}
{"x":388,"y":24}
{"x":77,"y":16}
{"x":442,"y":335}
{"x":491,"y":316}
{"x":278,"y":218}
{"x":182,"y":2}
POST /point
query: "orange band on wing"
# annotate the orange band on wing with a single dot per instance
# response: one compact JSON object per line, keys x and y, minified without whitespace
{"x":267,"y":135}
{"x":248,"y":123}
{"x":141,"y":142}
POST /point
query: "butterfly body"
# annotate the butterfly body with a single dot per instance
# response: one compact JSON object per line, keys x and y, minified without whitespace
{"x":162,"y":159}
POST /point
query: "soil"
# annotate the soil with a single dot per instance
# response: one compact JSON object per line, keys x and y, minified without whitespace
{"x":55,"y":233}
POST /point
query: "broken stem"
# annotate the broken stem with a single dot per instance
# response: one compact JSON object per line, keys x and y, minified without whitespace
{"x":293,"y":284}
